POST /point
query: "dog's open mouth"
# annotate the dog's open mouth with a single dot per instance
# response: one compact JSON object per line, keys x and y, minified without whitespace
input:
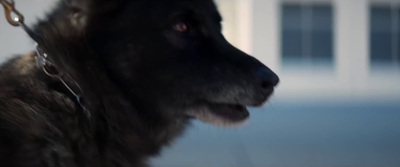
{"x":226,"y":115}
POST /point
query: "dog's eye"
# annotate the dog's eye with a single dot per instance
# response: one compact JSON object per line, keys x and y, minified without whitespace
{"x":181,"y":26}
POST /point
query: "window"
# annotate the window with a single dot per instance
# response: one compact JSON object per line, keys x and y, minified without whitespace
{"x":385,"y":35}
{"x":307,"y":34}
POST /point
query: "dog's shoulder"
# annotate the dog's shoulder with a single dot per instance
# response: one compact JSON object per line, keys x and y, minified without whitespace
{"x":26,"y":98}
{"x":18,"y":66}
{"x":33,"y":118}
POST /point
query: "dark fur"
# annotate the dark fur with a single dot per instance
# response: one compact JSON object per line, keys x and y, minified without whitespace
{"x":139,"y":79}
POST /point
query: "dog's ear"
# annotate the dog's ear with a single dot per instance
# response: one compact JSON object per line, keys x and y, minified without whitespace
{"x":78,"y":5}
{"x":80,"y":11}
{"x":96,"y":6}
{"x":77,"y":12}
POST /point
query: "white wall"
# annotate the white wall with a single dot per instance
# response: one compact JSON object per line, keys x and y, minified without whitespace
{"x":237,"y":22}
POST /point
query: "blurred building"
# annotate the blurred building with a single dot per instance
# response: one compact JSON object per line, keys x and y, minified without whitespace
{"x":322,"y":48}
{"x":318,"y":47}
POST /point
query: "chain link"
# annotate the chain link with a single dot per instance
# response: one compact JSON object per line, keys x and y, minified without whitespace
{"x":9,"y":7}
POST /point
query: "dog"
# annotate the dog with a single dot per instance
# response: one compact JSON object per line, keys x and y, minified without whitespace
{"x":144,"y":68}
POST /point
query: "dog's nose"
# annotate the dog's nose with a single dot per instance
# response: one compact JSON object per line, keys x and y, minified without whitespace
{"x":268,"y":79}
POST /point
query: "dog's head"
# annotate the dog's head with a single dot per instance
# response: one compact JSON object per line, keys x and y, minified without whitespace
{"x":170,"y":58}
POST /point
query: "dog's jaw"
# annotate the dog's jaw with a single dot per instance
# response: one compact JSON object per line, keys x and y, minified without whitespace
{"x":224,"y":114}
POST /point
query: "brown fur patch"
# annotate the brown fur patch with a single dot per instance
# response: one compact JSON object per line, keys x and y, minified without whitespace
{"x":25,"y":64}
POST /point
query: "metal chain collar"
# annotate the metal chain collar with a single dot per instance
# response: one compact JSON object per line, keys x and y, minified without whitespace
{"x":41,"y":57}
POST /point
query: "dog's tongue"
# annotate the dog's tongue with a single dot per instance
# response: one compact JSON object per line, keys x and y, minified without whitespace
{"x":225,"y":115}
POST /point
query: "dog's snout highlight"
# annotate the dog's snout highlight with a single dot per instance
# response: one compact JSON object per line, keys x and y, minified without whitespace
{"x":268,"y":79}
